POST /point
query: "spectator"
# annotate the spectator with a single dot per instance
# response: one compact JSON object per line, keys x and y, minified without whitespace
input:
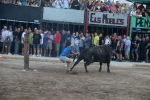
{"x":138,"y":13}
{"x":18,"y":3}
{"x":101,"y":40}
{"x":140,"y":7}
{"x":119,"y":10}
{"x":97,"y":7}
{"x":133,"y":12}
{"x":74,"y":4}
{"x":119,"y":49}
{"x":63,"y":40}
{"x":96,"y":40}
{"x":68,"y":37}
{"x":49,"y":43}
{"x":42,"y":35}
{"x":17,"y":36}
{"x":34,"y":4}
{"x":107,"y":40}
{"x":109,"y":3}
{"x":77,"y":41}
{"x":143,"y":49}
{"x":103,"y":9}
{"x":128,"y":11}
{"x":117,"y":4}
{"x":123,"y":9}
{"x":24,"y":2}
{"x":65,"y":4}
{"x":107,"y":8}
{"x":30,"y":41}
{"x":9,"y":40}
{"x":146,"y":14}
{"x":113,"y":9}
{"x":136,"y":44}
{"x":37,"y":41}
{"x":45,"y":43}
{"x":58,"y":4}
{"x":82,"y":6}
{"x":22,"y":40}
{"x":87,"y":41}
{"x":4,"y":39}
{"x":5,"y":1}
{"x":147,"y":48}
{"x":81,"y":44}
{"x":57,"y":42}
{"x":73,"y":41}
{"x":127,"y":47}
{"x":143,"y":12}
{"x":89,"y":5}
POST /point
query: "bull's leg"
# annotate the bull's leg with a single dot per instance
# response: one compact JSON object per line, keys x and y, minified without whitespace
{"x":75,"y":64}
{"x":100,"y":68}
{"x":108,"y":70}
{"x":88,"y":63}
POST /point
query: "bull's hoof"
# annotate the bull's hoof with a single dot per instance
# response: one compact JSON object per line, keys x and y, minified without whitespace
{"x":108,"y":71}
{"x":99,"y":70}
{"x":87,"y":71}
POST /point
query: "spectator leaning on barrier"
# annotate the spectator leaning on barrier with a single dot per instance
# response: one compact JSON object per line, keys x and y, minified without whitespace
{"x":58,"y":4}
{"x":74,"y":4}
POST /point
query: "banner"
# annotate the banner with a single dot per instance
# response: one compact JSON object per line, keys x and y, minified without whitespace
{"x":140,"y":22}
{"x":20,"y":13}
{"x":101,"y":18}
{"x":64,"y":15}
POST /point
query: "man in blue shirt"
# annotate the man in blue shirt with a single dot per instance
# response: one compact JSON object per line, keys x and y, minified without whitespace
{"x":63,"y":56}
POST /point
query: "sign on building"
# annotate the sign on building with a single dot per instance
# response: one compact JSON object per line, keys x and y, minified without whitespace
{"x":107,"y":19}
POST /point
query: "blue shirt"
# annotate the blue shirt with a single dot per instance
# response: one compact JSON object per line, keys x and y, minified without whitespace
{"x":63,"y":38}
{"x":87,"y":42}
{"x":45,"y":40}
{"x":109,"y":3}
{"x":66,"y":51}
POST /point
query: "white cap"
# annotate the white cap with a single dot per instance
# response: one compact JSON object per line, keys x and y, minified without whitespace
{"x":5,"y":26}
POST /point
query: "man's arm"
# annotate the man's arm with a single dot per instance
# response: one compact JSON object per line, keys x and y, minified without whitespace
{"x":121,"y":46}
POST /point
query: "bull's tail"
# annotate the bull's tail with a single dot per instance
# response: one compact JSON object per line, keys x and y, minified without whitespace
{"x":75,"y":64}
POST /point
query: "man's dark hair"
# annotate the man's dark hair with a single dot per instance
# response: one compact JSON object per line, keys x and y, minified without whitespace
{"x":68,"y":43}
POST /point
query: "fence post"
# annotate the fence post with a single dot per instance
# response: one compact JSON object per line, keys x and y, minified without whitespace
{"x":26,"y":52}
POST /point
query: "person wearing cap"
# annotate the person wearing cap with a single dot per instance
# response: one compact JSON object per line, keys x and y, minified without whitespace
{"x":4,"y":39}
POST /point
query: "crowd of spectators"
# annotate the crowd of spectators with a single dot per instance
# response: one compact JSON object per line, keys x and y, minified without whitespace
{"x":42,"y":43}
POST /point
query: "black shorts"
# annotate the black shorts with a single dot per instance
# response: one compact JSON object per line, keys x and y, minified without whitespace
{"x":119,"y":52}
{"x":31,"y":46}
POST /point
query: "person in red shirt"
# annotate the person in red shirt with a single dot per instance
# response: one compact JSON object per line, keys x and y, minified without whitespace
{"x":57,"y":42}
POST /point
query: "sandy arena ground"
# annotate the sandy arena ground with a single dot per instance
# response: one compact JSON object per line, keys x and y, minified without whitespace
{"x":51,"y":82}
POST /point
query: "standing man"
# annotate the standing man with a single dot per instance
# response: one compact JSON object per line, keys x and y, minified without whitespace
{"x":127,"y":47}
{"x":147,"y":48}
{"x":73,"y":41}
{"x":9,"y":40}
{"x":143,"y":49}
{"x":87,"y":41}
{"x":136,"y":44}
{"x":63,"y":40}
{"x":4,"y":39}
{"x":57,"y":42}
{"x":42,"y":35}
{"x":107,"y":40}
{"x":68,"y":37}
{"x":81,"y":44}
{"x":30,"y":41}
{"x":119,"y":49}
{"x":37,"y":41}
{"x":101,"y":40}
{"x":22,"y":40}
{"x":96,"y":40}
{"x":17,"y":36}
{"x":49,"y":43}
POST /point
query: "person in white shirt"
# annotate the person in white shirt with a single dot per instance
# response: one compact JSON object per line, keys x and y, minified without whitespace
{"x":77,"y":41}
{"x":22,"y":39}
{"x":49,"y":43}
{"x":9,"y":40}
{"x":66,"y":4}
{"x":58,"y":4}
{"x":4,"y":39}
{"x":133,"y":12}
{"x":73,"y":41}
{"x":127,"y":47}
{"x":107,"y":40}
{"x":42,"y":35}
{"x":81,"y":44}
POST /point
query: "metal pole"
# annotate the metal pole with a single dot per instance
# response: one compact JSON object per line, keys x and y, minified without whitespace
{"x":26,"y":52}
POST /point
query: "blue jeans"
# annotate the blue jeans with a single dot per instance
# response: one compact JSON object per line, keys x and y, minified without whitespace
{"x":76,"y":48}
{"x":62,"y":47}
{"x":16,"y":47}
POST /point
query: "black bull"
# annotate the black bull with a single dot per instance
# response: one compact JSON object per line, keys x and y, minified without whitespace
{"x":101,"y":54}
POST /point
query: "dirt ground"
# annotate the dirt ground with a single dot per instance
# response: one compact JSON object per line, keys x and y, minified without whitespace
{"x":51,"y":82}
